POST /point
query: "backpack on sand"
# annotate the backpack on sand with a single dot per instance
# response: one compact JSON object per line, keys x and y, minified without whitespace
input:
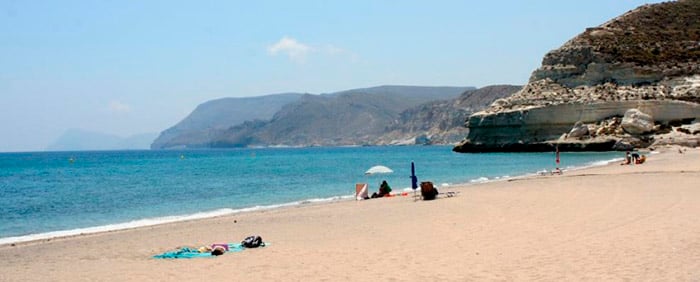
{"x":252,"y":242}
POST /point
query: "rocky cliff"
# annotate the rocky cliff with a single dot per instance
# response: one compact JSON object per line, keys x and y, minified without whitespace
{"x":596,"y":91}
{"x":440,"y":122}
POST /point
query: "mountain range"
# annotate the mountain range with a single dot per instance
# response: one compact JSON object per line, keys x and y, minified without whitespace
{"x":368,"y":116}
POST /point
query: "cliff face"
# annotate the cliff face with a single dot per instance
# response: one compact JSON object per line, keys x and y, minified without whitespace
{"x":643,"y":46}
{"x":647,"y":59}
{"x":440,"y":122}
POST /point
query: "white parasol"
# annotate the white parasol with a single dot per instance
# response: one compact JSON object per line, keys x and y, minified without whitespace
{"x":377,"y":169}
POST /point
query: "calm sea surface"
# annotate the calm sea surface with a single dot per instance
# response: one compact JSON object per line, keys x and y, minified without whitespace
{"x":46,"y":194}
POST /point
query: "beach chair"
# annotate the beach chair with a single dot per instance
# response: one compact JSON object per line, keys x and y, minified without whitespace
{"x":361,"y":191}
{"x":428,"y":191}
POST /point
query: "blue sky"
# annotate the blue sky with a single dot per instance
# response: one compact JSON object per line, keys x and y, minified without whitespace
{"x":129,"y":67}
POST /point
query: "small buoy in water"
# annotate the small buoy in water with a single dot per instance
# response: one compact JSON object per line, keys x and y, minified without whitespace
{"x":182,"y":157}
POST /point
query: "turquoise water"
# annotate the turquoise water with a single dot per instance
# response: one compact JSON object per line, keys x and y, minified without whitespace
{"x":45,"y":192}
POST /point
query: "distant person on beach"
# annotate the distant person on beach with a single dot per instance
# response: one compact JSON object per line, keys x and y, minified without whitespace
{"x":635,"y":158}
{"x":641,"y":159}
{"x":628,"y":159}
{"x":219,"y":249}
{"x":215,"y":249}
{"x":384,"y":189}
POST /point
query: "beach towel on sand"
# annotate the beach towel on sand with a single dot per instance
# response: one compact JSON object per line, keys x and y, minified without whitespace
{"x":186,"y":252}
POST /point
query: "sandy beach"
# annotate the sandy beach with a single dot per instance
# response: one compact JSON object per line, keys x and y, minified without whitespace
{"x":634,"y":222}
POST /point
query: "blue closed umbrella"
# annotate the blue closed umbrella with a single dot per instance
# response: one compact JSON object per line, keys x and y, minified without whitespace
{"x":414,"y":178}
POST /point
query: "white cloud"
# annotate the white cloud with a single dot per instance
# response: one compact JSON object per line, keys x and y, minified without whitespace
{"x":119,"y":107}
{"x":296,"y":50}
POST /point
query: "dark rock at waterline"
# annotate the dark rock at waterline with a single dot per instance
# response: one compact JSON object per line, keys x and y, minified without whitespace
{"x":594,"y":146}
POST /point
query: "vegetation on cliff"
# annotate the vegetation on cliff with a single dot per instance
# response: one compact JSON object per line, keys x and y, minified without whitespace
{"x":647,"y":59}
{"x":662,"y":34}
{"x":641,"y":47}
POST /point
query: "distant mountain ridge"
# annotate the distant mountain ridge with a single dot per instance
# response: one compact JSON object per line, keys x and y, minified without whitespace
{"x":350,"y":117}
{"x":220,"y":114}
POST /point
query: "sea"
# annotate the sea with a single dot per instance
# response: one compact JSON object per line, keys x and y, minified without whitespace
{"x":52,"y":194}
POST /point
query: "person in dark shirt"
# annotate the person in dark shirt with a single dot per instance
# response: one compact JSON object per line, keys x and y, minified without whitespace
{"x":635,"y":158}
{"x":384,"y":189}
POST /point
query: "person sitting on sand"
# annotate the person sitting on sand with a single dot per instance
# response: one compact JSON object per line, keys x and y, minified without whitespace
{"x":628,"y":159}
{"x":641,"y":160}
{"x":384,"y":189}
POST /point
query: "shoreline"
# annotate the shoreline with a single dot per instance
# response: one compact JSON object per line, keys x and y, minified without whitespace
{"x":223,"y":212}
{"x":613,"y":222}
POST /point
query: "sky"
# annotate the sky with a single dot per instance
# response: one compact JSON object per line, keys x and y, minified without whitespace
{"x":130,"y":67}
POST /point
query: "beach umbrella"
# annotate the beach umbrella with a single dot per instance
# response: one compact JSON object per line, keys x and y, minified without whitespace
{"x":414,"y":179}
{"x":378,"y":169}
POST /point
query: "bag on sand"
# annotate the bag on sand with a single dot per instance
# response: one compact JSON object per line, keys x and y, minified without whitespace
{"x":252,"y":242}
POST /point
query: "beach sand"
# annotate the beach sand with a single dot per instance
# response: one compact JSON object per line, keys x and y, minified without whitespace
{"x":636,"y":222}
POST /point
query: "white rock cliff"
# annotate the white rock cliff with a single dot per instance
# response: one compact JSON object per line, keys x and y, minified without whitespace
{"x":644,"y":63}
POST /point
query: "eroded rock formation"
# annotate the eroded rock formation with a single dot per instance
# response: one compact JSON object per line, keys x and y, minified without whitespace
{"x":647,"y":60}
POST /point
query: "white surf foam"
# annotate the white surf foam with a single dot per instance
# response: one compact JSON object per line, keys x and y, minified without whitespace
{"x":160,"y":220}
{"x":479,"y":180}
